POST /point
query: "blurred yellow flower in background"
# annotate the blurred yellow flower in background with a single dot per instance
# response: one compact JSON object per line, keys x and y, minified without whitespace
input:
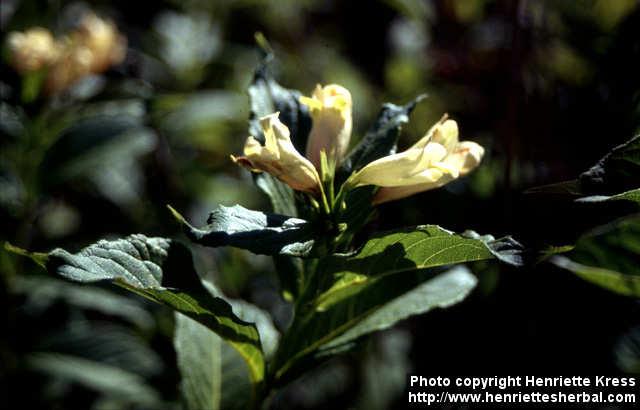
{"x":92,"y":48}
{"x":32,"y":50}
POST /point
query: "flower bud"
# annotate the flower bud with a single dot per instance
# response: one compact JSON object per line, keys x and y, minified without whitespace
{"x":279,"y":157}
{"x":32,"y":50}
{"x":435,"y":160}
{"x":330,"y":108}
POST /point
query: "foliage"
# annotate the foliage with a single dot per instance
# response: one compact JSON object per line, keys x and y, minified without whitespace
{"x":103,"y":155}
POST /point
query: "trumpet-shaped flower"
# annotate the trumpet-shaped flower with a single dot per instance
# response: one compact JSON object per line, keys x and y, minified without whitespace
{"x":436,"y":159}
{"x":330,"y":108}
{"x":279,"y":157}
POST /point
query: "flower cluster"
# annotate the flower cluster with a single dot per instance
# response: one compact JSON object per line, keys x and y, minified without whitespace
{"x":93,"y":47}
{"x":436,"y":159}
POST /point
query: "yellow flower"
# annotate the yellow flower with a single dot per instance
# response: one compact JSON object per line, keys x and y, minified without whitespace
{"x":93,"y":47}
{"x":32,"y":50}
{"x":330,"y":108}
{"x":101,"y":37}
{"x":436,"y":159}
{"x":279,"y":157}
{"x":73,"y":63}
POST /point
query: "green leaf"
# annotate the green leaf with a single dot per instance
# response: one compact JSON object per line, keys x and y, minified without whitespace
{"x":281,"y":195}
{"x":617,"y":171}
{"x":236,"y":383}
{"x":161,"y":270}
{"x":104,"y":342}
{"x":420,"y":247}
{"x":267,"y":96}
{"x":203,"y":359}
{"x":349,"y":288}
{"x":42,"y":291}
{"x":632,"y":196}
{"x":505,"y":249}
{"x":261,"y":233}
{"x":214,"y":375}
{"x":94,"y":143}
{"x":198,"y":352}
{"x":309,"y":340}
{"x":615,"y":177}
{"x":108,"y":380}
{"x":382,"y":137}
{"x":608,"y":257}
{"x":442,"y":291}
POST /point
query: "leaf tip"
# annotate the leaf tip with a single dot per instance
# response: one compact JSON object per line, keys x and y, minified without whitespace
{"x":263,"y":43}
{"x":38,"y":257}
{"x":177,"y":215}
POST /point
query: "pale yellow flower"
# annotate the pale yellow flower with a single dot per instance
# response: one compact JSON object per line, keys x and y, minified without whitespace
{"x":101,"y":37}
{"x":436,"y":159}
{"x":32,"y":50}
{"x":93,"y":47}
{"x":73,"y":63}
{"x":330,"y":108}
{"x":279,"y":157}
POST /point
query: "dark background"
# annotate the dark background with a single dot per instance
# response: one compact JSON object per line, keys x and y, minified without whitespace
{"x":547,"y":87}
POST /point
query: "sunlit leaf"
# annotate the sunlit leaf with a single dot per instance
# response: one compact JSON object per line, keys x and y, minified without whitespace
{"x":442,"y":291}
{"x":259,"y":232}
{"x":608,"y":257}
{"x":161,"y":270}
{"x":350,"y":288}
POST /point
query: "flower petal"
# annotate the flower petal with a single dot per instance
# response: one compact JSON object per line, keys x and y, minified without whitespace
{"x":330,"y":108}
{"x":279,"y":157}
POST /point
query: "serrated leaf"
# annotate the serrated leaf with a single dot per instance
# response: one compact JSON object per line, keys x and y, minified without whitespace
{"x":407,"y":250}
{"x":248,"y":312}
{"x":505,"y":249}
{"x":198,"y":352}
{"x":608,"y":257}
{"x":420,"y":247}
{"x":161,"y":270}
{"x":261,"y":233}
